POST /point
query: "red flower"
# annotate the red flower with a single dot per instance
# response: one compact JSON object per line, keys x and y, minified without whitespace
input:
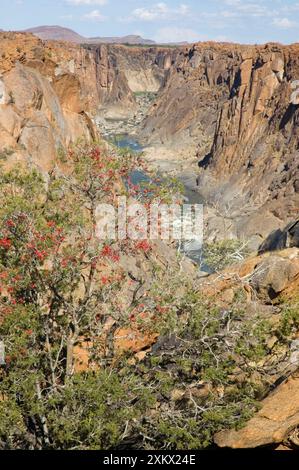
{"x":96,"y":153}
{"x":143,"y":245}
{"x":64,"y":263}
{"x":162,"y":309}
{"x":10,"y":223}
{"x":5,"y":243}
{"x":105,"y":280}
{"x":41,"y":255}
{"x":51,"y":223}
{"x":108,"y":252}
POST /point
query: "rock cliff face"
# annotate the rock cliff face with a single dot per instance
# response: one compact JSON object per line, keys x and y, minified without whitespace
{"x":51,"y":91}
{"x":48,"y":94}
{"x":237,"y":104}
{"x":124,"y":71}
{"x":186,"y":112}
{"x":254,"y":156}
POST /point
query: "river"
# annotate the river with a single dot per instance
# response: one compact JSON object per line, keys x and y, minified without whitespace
{"x":191,"y":196}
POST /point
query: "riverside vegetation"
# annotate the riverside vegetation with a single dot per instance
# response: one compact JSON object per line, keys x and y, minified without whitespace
{"x":60,"y":289}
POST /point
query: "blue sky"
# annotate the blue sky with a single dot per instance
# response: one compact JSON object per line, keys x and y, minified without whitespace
{"x":245,"y":21}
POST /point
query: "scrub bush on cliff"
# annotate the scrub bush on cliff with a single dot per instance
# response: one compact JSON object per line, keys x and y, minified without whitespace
{"x":50,"y":281}
{"x":59,"y":286}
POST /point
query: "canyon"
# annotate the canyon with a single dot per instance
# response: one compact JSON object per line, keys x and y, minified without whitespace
{"x":222,"y":118}
{"x":218,"y":115}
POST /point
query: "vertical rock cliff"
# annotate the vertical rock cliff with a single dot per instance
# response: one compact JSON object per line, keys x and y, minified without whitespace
{"x":237,"y":105}
{"x":48,"y":95}
{"x":124,"y":71}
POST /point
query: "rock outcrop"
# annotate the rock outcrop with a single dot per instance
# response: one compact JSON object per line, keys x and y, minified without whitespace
{"x":276,"y":423}
{"x":267,"y":277}
{"x":238,"y":106}
{"x":279,"y":239}
{"x":48,"y":95}
{"x":266,"y":283}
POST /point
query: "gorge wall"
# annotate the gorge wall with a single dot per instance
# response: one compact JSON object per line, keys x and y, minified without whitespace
{"x":230,"y":104}
{"x":234,"y":104}
{"x":50,"y":91}
{"x":253,"y":164}
{"x":124,"y":71}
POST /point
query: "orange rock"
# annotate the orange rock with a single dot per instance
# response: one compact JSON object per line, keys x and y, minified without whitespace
{"x":129,"y":339}
{"x":276,"y":420}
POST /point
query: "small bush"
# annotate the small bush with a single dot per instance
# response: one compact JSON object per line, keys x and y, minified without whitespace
{"x":221,"y":254}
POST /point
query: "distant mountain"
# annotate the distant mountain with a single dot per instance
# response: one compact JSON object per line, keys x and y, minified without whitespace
{"x":65,"y":34}
{"x":57,"y":33}
{"x":131,"y":39}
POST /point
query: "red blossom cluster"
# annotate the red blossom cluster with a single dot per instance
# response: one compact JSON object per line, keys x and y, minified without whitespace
{"x":143,"y":245}
{"x":5,"y":243}
{"x":108,"y":252}
{"x":96,"y":154}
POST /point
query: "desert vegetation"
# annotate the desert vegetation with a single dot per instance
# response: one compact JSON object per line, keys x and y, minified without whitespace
{"x":60,"y":298}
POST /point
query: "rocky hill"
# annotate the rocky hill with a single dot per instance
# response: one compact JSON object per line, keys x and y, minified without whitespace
{"x":132,"y":39}
{"x":56,"y":33}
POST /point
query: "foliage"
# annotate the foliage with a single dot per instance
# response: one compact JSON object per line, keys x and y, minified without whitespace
{"x":289,"y":320}
{"x":223,"y":253}
{"x":60,"y":287}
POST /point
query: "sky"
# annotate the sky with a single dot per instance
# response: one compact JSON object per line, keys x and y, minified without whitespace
{"x":244,"y":21}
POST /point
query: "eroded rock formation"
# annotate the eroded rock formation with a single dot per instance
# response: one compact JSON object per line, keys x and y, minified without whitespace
{"x":238,"y":105}
{"x":276,"y":422}
{"x":48,"y":96}
{"x":124,"y":71}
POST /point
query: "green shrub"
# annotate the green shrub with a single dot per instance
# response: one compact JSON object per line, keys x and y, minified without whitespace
{"x":221,"y":254}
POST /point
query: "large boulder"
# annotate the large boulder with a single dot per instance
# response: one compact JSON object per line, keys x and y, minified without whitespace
{"x":275,"y":423}
{"x":274,"y":274}
{"x":280,"y":239}
{"x":35,"y":121}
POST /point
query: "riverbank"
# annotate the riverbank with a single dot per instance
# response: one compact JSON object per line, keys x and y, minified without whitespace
{"x":118,"y":123}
